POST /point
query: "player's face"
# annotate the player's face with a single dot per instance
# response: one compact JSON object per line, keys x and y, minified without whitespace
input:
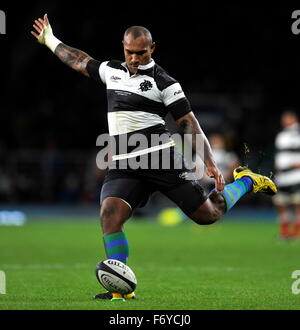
{"x":288,"y":119}
{"x":137,"y":51}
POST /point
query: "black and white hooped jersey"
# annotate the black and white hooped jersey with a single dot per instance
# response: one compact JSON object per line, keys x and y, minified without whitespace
{"x":287,"y":155}
{"x":137,"y":103}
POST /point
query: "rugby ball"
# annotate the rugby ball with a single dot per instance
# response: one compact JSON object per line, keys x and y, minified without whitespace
{"x":115,"y":276}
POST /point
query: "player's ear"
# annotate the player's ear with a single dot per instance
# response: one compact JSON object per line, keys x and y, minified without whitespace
{"x":153,"y":47}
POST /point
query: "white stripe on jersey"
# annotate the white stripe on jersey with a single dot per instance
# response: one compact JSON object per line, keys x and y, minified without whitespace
{"x":287,"y":143}
{"x":102,"y":69}
{"x":289,"y":178}
{"x":122,"y":122}
{"x":131,"y":84}
{"x":286,"y":159}
{"x":287,"y":155}
{"x":288,"y":138}
{"x":172,"y":94}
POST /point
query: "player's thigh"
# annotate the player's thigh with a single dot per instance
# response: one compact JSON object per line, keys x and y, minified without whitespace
{"x":128,"y":191}
{"x":189,"y":196}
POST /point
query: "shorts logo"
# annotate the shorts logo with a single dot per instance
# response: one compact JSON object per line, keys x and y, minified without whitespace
{"x":183,"y":175}
{"x":145,"y":86}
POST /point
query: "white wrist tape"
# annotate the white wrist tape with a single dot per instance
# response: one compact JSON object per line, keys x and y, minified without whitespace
{"x":47,"y":38}
{"x":52,"y":42}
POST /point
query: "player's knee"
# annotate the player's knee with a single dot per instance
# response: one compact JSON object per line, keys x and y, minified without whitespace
{"x":113,"y":214}
{"x":107,"y":212}
{"x":207,"y":214}
{"x":110,"y":220}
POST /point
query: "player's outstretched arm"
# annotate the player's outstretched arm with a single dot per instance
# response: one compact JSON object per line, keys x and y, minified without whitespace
{"x":74,"y":58}
{"x":190,"y":125}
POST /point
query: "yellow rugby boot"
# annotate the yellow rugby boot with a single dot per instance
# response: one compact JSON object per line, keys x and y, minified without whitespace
{"x":261,"y":183}
{"x":129,"y":295}
{"x":115,"y":296}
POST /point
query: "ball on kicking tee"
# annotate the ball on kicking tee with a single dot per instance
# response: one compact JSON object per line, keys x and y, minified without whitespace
{"x":115,"y":276}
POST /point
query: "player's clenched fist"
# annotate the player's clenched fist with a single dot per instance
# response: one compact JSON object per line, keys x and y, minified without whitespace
{"x":43,"y":33}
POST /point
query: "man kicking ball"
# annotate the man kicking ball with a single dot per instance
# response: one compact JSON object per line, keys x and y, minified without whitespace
{"x":140,"y":93}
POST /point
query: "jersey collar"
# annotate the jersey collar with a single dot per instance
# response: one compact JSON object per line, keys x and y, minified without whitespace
{"x":142,"y":69}
{"x":147,"y":66}
{"x":146,"y":69}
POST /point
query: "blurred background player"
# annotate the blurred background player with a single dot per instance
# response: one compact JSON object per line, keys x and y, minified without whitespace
{"x":227,"y":160}
{"x":287,"y":166}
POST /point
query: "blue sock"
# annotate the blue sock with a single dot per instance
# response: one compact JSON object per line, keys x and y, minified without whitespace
{"x":234,"y":191}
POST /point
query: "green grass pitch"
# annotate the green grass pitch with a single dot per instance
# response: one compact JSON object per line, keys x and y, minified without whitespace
{"x":228,"y":265}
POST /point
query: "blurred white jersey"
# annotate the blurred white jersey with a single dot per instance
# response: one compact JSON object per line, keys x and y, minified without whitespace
{"x":287,"y":145}
{"x":224,"y":159}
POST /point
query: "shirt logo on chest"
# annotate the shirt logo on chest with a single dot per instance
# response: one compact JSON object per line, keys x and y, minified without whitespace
{"x":115,"y":78}
{"x":145,"y":86}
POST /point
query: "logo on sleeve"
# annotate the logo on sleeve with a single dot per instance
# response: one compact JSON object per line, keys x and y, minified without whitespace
{"x":145,"y":86}
{"x":178,"y":92}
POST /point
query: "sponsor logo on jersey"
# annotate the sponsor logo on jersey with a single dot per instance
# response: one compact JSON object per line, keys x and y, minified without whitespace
{"x":123,"y":93}
{"x":115,"y":78}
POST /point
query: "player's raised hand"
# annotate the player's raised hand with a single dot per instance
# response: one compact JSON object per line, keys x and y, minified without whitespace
{"x":43,"y":33}
{"x":42,"y":29}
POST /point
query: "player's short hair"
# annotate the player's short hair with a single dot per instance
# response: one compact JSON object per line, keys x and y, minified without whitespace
{"x":290,"y":112}
{"x":137,"y":31}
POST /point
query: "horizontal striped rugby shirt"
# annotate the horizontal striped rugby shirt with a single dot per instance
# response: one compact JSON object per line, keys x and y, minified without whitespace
{"x":137,"y":103}
{"x":287,"y":155}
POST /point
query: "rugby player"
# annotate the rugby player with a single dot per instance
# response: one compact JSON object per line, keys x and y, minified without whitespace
{"x":140,"y":93}
{"x":287,"y":167}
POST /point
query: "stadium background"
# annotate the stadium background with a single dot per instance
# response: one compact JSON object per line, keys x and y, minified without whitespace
{"x":237,"y":64}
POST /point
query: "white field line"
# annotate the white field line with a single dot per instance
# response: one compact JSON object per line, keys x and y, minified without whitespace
{"x":188,"y":268}
{"x":42,"y":266}
{"x":147,"y":267}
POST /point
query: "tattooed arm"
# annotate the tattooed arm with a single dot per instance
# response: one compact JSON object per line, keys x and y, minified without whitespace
{"x":190,"y":125}
{"x":74,"y":58}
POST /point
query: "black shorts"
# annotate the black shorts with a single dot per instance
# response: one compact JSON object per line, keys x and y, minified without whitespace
{"x":136,"y":186}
